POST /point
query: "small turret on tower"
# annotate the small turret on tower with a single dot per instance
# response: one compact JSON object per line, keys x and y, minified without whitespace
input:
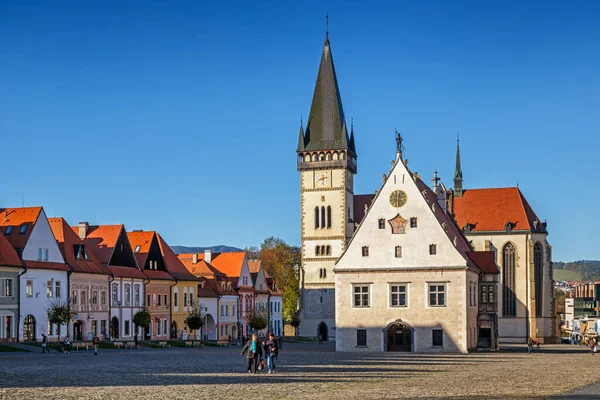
{"x":458,"y":181}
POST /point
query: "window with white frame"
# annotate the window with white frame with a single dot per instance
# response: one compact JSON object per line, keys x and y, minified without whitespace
{"x":57,"y":289}
{"x":437,"y":295}
{"x":115,"y":293}
{"x":136,"y":295}
{"x":398,"y":295}
{"x":49,"y":289}
{"x":45,"y":254}
{"x":7,"y":287}
{"x":127,"y":295}
{"x":29,"y":288}
{"x":361,"y":295}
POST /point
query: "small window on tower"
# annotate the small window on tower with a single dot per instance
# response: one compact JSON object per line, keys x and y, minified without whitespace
{"x":432,"y":249}
{"x":413,"y":222}
{"x":381,"y":223}
{"x":365,"y":251}
{"x":398,"y":251}
{"x":328,"y":250}
{"x":317,"y":250}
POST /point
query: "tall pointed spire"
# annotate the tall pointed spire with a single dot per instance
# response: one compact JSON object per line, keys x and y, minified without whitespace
{"x":458,"y":189}
{"x":325,"y":127}
{"x":301,"y":136}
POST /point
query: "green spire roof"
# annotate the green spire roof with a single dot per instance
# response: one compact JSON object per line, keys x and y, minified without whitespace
{"x":326,"y":125}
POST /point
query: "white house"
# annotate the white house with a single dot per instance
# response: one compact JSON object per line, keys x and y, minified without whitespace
{"x":45,"y":281}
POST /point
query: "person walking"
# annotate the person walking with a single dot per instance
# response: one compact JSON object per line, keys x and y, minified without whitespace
{"x":529,"y":345}
{"x":320,"y":339}
{"x":592,"y":346}
{"x":45,"y":344}
{"x":67,"y":343}
{"x":537,"y":344}
{"x":271,"y":353}
{"x":253,"y":351}
{"x":95,"y":341}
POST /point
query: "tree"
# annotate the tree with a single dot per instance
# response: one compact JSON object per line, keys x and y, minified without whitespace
{"x":560,"y":296}
{"x":257,"y":320}
{"x":59,"y":313}
{"x":278,"y":259}
{"x":252,"y":252}
{"x":295,"y":321}
{"x":194,"y":320}
{"x":142,"y":319}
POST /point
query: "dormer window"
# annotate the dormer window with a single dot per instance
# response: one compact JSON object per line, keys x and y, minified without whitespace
{"x":23,"y":229}
{"x":137,"y":249}
{"x":8,"y":230}
{"x":508,"y":226}
{"x":468,"y":227}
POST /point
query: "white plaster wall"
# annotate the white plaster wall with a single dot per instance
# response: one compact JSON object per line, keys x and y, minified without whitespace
{"x":38,"y":304}
{"x":276,"y":315}
{"x":124,"y":313}
{"x":42,"y":237}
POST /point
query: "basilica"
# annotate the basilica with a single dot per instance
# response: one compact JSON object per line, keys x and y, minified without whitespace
{"x":412,"y":268}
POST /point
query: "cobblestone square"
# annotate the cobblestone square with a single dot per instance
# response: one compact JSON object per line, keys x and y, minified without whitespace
{"x":305,"y":370}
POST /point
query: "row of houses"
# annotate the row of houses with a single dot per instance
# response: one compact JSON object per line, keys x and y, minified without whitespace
{"x":582,"y":311}
{"x":106,"y":275}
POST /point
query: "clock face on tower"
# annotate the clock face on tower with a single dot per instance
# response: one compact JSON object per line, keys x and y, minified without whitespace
{"x":322,"y":179}
{"x":398,"y":198}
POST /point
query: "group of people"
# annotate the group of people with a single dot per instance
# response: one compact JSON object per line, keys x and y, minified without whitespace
{"x":593,"y":344}
{"x":65,"y":345}
{"x":531,"y":343}
{"x":257,"y":353}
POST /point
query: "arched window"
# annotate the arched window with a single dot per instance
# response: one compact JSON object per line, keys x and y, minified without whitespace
{"x":323,"y":217}
{"x":329,"y":216}
{"x":538,"y":273}
{"x":317,"y":218}
{"x":323,"y":250}
{"x":222,"y":309}
{"x":314,"y":157}
{"x":320,"y":272}
{"x":342,"y":156}
{"x":233,"y":310}
{"x":317,"y":250}
{"x":322,"y":157}
{"x":324,"y":273}
{"x":227,"y":309}
{"x":509,"y":258}
{"x":328,"y":250}
{"x":328,"y":156}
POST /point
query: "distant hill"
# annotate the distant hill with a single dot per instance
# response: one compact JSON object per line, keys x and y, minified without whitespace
{"x":565,"y":275}
{"x":215,"y":249}
{"x":588,"y":270}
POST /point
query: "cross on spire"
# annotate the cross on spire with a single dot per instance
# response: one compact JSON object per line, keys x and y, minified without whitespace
{"x":327,"y":26}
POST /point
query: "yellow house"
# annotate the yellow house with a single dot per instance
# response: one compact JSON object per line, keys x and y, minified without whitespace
{"x":183,"y":291}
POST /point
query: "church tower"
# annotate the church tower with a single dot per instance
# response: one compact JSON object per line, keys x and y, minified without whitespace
{"x":327,"y":165}
{"x":458,"y":189}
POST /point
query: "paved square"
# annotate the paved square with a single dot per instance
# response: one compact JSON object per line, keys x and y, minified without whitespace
{"x":305,"y":370}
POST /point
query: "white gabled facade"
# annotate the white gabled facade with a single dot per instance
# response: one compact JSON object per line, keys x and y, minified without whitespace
{"x":41,"y":286}
{"x":403,"y":286}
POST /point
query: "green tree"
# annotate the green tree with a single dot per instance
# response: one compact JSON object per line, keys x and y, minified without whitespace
{"x":59,"y":313}
{"x":278,"y":259}
{"x":295,"y":321}
{"x":559,"y":297}
{"x":257,"y":320}
{"x":194,"y":320}
{"x":142,"y":319}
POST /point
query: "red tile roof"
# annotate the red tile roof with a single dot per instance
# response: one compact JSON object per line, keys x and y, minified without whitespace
{"x":127,"y":272}
{"x":174,"y":264}
{"x":142,"y":239}
{"x":254,"y":266}
{"x":17,"y":217}
{"x":229,"y":263}
{"x":200,"y":268}
{"x":485,"y":260}
{"x":8,"y":255}
{"x":47,"y":265}
{"x":158,"y":275}
{"x":102,"y":238}
{"x":360,"y":200}
{"x":66,"y":240}
{"x":488,"y":210}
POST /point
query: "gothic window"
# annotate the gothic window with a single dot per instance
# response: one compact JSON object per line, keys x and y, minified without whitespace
{"x":413,"y":222}
{"x":323,"y":217}
{"x":317,"y":250}
{"x":432,"y":249}
{"x":317,"y":218}
{"x":329,"y":216}
{"x":328,"y":156}
{"x":538,"y":274}
{"x":398,"y":251}
{"x":321,"y":157}
{"x":381,"y":223}
{"x":323,"y":250}
{"x":365,"y":251}
{"x":324,"y":273}
{"x":509,"y":304}
{"x":328,"y":250}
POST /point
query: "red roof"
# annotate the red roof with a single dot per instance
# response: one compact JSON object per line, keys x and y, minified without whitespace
{"x":199,"y":268}
{"x":8,"y":255}
{"x":229,"y":263}
{"x":127,"y":272}
{"x":102,"y":238}
{"x":360,"y":200}
{"x":46,"y":265}
{"x":66,"y":240}
{"x":485,"y":260}
{"x":17,"y":218}
{"x":155,"y":274}
{"x":142,"y":239}
{"x":174,"y":264}
{"x":254,"y":266}
{"x":488,"y":210}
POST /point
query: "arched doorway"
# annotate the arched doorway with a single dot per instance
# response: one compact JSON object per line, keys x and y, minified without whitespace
{"x":399,"y":337}
{"x":114,"y":328}
{"x":78,"y":330}
{"x":323,"y":331}
{"x":29,"y":328}
{"x":173,"y":330}
{"x":210,"y":331}
{"x":234,"y":332}
{"x":487,"y":332}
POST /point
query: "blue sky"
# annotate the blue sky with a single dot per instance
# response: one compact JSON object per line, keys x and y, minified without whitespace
{"x":183,"y":116}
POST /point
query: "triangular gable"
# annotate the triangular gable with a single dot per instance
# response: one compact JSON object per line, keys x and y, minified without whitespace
{"x":260,"y":282}
{"x":401,"y":198}
{"x":122,"y":254}
{"x":146,"y":250}
{"x":17,"y":220}
{"x":41,"y":237}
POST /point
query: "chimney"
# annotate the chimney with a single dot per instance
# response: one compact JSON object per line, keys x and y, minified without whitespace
{"x":194,"y":258}
{"x":83,"y":229}
{"x":207,"y":255}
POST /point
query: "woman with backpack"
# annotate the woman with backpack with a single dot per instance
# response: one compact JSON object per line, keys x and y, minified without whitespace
{"x":253,"y":351}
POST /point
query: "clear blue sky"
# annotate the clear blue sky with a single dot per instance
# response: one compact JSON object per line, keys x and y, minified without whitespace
{"x":183,"y":117}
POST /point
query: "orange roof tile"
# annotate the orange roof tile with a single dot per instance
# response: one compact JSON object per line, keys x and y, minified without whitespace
{"x":47,"y":265}
{"x":66,"y":240}
{"x":254,"y":266}
{"x":142,"y":239}
{"x":488,"y":210}
{"x":18,"y":217}
{"x":485,"y":260}
{"x":8,"y":255}
{"x":127,"y":272}
{"x":174,"y":265}
{"x":229,"y":263}
{"x":200,"y":268}
{"x":103,"y":238}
